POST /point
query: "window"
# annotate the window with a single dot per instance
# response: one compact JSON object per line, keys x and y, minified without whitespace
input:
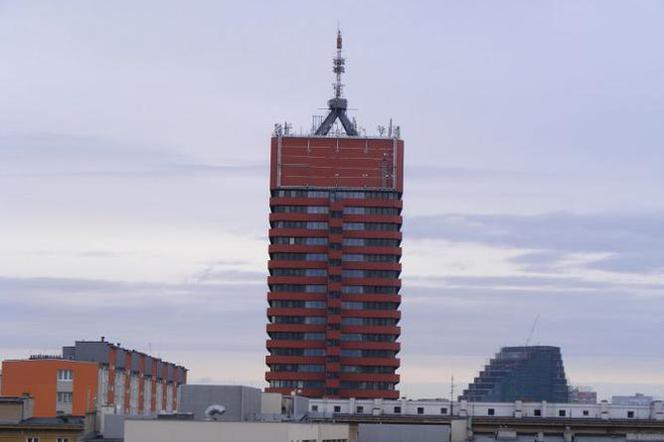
{"x":369,"y":337}
{"x":64,"y":396}
{"x":337,"y":408}
{"x":397,"y":410}
{"x":359,"y":409}
{"x":298,"y":241}
{"x":379,"y":289}
{"x":306,"y":288}
{"x":32,"y":439}
{"x":367,"y":369}
{"x":285,"y":256}
{"x":537,"y":412}
{"x":314,"y":408}
{"x":297,"y":193}
{"x":370,"y":258}
{"x":353,"y":305}
{"x":420,"y":410}
{"x":491,"y":412}
{"x":296,"y":384}
{"x":585,"y":412}
{"x":315,"y":304}
{"x":353,"y":241}
{"x":62,"y":439}
{"x":371,"y":242}
{"x":562,"y":413}
{"x":351,"y":353}
{"x":443,"y":410}
{"x":630,"y":414}
{"x":354,"y":210}
{"x":366,"y":385}
{"x":381,"y":322}
{"x":299,"y":209}
{"x":65,"y":375}
{"x":314,"y":352}
{"x":298,"y":272}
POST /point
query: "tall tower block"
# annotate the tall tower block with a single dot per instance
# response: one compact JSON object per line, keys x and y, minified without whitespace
{"x":335,"y":250}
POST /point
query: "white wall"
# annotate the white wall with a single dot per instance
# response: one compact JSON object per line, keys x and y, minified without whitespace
{"x":439,"y":407}
{"x":179,"y":431}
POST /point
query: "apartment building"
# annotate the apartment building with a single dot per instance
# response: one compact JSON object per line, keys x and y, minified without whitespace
{"x":94,"y":374}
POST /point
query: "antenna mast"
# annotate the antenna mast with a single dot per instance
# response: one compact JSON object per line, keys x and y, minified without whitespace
{"x":452,"y":396}
{"x":337,"y":105}
{"x":339,"y":66}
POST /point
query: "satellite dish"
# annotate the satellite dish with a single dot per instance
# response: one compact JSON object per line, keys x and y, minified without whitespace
{"x":214,"y":411}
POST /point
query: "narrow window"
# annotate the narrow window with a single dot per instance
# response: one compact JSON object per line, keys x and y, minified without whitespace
{"x":491,"y":411}
{"x":337,"y":409}
{"x":585,"y":412}
{"x":314,"y":408}
{"x":420,"y":410}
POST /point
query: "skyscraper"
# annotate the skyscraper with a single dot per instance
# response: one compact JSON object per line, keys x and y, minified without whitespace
{"x":528,"y":373}
{"x":335,"y":250}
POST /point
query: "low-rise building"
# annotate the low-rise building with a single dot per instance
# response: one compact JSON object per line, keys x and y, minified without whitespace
{"x":329,"y":408}
{"x":582,"y":395}
{"x":18,"y":425}
{"x":637,"y":399}
{"x":241,"y":403}
{"x":94,"y":374}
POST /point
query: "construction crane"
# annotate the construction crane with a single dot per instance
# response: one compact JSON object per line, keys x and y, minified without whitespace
{"x":532,"y":330}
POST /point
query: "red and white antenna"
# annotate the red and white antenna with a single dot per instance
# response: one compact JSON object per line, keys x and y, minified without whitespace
{"x":338,"y":66}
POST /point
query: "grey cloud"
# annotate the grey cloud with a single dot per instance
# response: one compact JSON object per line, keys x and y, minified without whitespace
{"x":649,"y":261}
{"x":213,"y":274}
{"x":537,"y":283}
{"x":44,"y":155}
{"x":540,"y":261}
{"x":429,"y":172}
{"x":180,"y":317}
{"x":457,"y":321}
{"x":476,"y":322}
{"x":632,"y":238}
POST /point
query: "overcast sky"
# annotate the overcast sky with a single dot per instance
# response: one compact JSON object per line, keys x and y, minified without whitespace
{"x":134,"y":179}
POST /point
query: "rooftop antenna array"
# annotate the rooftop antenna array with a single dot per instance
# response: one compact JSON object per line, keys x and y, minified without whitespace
{"x":337,"y":105}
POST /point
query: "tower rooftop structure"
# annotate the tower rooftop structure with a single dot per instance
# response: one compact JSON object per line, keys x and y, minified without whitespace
{"x":335,"y":251}
{"x":337,"y":105}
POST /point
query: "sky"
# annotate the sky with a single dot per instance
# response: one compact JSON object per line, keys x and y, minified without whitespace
{"x":134,"y":143}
